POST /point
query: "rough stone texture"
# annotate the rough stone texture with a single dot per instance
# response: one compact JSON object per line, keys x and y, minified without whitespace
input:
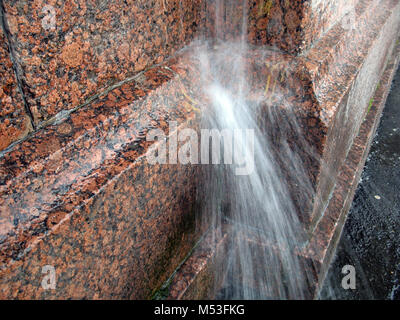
{"x":321,"y":15}
{"x":81,"y":196}
{"x":14,"y":123}
{"x":204,"y":274}
{"x":197,"y":277}
{"x":330,"y":86}
{"x":370,"y":240}
{"x":345,"y":69}
{"x":91,"y":45}
{"x":194,"y":278}
{"x":327,"y":233}
{"x":292,"y":26}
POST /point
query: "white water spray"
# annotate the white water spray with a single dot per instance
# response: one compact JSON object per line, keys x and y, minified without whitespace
{"x":261,"y":259}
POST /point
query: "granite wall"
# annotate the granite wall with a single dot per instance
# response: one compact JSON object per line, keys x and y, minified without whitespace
{"x":65,"y":53}
{"x":81,"y":84}
{"x":14,"y":120}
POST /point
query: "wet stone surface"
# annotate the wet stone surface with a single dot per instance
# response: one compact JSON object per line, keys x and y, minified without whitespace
{"x":371,"y":237}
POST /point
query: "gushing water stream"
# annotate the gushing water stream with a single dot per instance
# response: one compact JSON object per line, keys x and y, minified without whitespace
{"x":260,"y":259}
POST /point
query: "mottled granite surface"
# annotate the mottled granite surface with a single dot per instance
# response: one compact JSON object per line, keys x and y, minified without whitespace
{"x":327,"y":233}
{"x":345,"y":68}
{"x":195,"y":277}
{"x":291,"y":26}
{"x":80,"y":195}
{"x":14,"y":122}
{"x":68,"y":51}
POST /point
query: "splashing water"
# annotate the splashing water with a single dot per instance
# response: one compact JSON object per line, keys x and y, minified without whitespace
{"x":260,"y":259}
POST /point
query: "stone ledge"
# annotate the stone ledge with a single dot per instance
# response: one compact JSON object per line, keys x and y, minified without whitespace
{"x":322,"y":246}
{"x":195,"y":279}
{"x":79,"y":195}
{"x":344,"y":68}
{"x":196,"y":273}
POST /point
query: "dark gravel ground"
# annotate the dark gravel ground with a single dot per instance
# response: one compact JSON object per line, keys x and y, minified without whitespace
{"x":371,"y":237}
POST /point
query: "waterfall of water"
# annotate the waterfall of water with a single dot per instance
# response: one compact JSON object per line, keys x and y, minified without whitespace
{"x":260,"y":261}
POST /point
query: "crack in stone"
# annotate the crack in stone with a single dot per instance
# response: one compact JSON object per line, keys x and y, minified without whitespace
{"x":5,"y":28}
